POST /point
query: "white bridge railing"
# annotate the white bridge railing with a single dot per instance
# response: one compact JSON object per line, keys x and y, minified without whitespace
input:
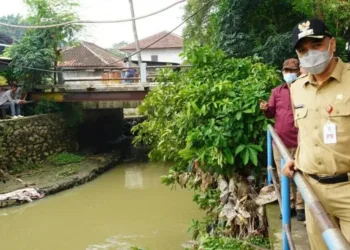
{"x":112,"y":76}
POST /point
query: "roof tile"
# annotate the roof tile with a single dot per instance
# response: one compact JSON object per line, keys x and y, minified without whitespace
{"x":89,"y":55}
{"x":170,"y":41}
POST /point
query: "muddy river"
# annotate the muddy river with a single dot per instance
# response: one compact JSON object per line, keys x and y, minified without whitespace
{"x":127,"y":206}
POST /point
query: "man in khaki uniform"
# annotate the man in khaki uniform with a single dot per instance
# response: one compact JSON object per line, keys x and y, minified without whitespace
{"x":321,"y":102}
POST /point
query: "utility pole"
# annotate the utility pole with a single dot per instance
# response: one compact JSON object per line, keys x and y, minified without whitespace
{"x":135,"y":32}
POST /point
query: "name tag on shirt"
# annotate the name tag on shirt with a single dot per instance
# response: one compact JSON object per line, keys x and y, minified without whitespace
{"x":330,"y":133}
{"x":300,"y":106}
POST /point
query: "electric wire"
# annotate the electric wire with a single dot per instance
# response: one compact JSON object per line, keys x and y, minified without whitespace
{"x":129,"y":56}
{"x":88,"y":21}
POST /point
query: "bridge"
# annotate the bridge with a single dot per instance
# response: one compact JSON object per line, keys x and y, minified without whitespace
{"x":109,"y":96}
{"x":106,"y":90}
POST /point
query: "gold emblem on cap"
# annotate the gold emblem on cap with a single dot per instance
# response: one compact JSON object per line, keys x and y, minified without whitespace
{"x":304,"y":26}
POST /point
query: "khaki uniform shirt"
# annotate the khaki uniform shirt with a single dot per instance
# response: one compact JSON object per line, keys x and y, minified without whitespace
{"x":310,"y":103}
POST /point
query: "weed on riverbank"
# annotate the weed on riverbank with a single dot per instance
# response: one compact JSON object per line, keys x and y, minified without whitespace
{"x":65,"y":159}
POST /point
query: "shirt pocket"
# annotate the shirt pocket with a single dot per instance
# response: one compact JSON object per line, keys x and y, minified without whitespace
{"x":341,"y":117}
{"x":300,"y":116}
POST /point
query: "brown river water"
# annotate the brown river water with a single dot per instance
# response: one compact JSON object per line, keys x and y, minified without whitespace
{"x":127,"y":206}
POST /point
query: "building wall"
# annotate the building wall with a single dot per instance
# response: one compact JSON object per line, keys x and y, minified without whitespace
{"x":164,"y":55}
{"x":33,"y":139}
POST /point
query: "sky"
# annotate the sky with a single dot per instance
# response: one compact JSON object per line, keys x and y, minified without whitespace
{"x":105,"y":35}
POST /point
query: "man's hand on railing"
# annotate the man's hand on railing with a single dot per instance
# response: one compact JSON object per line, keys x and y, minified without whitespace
{"x":289,"y":168}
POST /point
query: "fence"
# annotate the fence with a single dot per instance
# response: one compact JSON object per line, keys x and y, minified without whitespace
{"x":144,"y":74}
{"x":331,"y":233}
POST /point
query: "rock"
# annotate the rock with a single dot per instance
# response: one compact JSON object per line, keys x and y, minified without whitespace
{"x":33,"y":138}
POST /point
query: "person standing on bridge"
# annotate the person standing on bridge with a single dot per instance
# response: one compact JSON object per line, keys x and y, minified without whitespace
{"x":321,"y":102}
{"x":280,"y":108}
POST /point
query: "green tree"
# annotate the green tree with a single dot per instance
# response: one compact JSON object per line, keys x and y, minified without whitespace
{"x":335,"y":13}
{"x":33,"y":51}
{"x":245,"y":28}
{"x":40,"y":48}
{"x":201,"y":27}
{"x":263,"y":28}
{"x":115,"y":49}
{"x":207,"y":121}
{"x":15,"y":34}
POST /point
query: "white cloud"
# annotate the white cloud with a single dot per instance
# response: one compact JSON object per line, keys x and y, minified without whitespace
{"x":107,"y":34}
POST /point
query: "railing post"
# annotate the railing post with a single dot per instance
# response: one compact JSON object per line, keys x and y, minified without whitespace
{"x":143,"y":73}
{"x":285,"y":206}
{"x":269,"y":157}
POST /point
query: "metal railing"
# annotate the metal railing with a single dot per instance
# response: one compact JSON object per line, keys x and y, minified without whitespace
{"x":143,"y":74}
{"x":331,"y":233}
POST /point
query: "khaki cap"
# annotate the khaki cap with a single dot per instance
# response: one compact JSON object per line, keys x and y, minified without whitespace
{"x":291,"y":63}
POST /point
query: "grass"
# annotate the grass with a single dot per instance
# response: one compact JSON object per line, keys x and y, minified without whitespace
{"x":65,"y":159}
{"x":68,"y":171}
{"x":20,"y":168}
{"x":213,"y":242}
{"x":260,"y":241}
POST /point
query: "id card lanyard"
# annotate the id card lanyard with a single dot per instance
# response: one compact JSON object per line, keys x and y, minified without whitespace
{"x":329,"y":128}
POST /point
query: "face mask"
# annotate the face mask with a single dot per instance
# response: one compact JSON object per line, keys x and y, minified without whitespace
{"x":315,"y":61}
{"x":290,"y":77}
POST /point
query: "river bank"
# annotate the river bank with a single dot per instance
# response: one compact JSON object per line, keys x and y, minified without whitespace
{"x":49,"y":178}
{"x":126,"y":206}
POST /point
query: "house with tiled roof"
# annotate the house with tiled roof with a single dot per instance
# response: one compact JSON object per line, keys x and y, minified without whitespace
{"x":166,"y":50}
{"x":88,"y":55}
{"x":88,"y":61}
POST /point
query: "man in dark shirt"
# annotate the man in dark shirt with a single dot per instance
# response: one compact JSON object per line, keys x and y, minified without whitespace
{"x":280,"y":108}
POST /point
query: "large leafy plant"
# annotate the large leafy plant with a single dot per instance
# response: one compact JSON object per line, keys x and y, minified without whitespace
{"x":208,"y":113}
{"x":207,"y":122}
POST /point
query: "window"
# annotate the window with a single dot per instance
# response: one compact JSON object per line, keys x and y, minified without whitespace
{"x":154,"y":58}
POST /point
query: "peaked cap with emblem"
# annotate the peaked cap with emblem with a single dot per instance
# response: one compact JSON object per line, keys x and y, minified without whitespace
{"x":314,"y":28}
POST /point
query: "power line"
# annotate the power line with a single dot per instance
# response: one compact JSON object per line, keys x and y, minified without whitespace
{"x":88,"y":21}
{"x":167,"y":34}
{"x":37,"y":69}
{"x":128,"y":57}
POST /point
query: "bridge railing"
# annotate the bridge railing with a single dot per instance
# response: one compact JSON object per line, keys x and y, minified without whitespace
{"x":143,"y":75}
{"x":331,"y":233}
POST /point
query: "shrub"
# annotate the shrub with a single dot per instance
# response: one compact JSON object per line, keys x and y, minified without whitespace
{"x":68,"y":171}
{"x":65,"y":158}
{"x":207,"y":121}
{"x":209,"y":113}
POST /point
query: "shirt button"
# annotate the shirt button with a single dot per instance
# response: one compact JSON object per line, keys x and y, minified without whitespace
{"x":316,"y":110}
{"x":316,"y":144}
{"x":337,"y":112}
{"x":316,"y":127}
{"x":319,"y":163}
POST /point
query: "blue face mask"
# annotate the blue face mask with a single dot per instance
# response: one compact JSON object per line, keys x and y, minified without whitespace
{"x":290,"y":77}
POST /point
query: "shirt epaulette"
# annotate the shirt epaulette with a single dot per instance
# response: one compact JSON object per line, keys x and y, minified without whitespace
{"x":302,"y":76}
